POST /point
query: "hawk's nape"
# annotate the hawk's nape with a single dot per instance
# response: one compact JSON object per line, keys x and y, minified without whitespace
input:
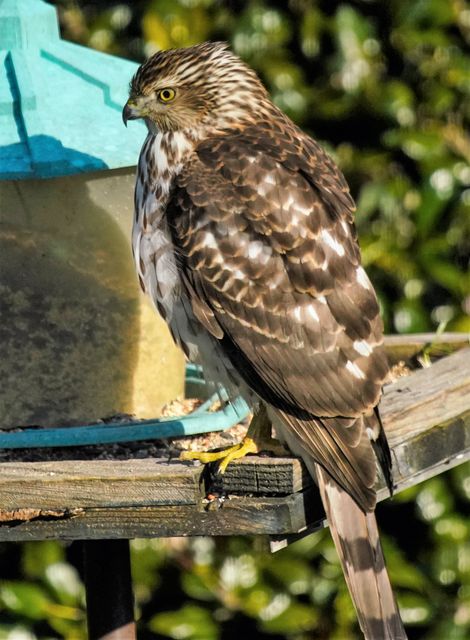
{"x":244,"y":238}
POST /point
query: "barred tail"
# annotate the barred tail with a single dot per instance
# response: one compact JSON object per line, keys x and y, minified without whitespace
{"x":357,"y":542}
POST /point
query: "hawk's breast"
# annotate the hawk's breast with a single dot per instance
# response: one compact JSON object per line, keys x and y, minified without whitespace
{"x":161,"y":160}
{"x":151,"y":241}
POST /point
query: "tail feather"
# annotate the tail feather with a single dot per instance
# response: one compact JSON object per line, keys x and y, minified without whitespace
{"x":356,"y":538}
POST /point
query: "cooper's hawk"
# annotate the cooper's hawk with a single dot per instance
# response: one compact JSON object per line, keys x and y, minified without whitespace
{"x":244,"y":238}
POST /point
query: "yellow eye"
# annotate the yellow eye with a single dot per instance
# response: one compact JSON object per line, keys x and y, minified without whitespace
{"x":166,"y":95}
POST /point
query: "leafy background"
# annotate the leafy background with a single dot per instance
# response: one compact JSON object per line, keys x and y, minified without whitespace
{"x":384,"y":85}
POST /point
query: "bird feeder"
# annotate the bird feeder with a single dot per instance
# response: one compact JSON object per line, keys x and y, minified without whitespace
{"x":79,"y":341}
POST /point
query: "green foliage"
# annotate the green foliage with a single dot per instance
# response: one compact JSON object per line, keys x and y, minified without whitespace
{"x":385,"y":86}
{"x":45,"y":593}
{"x":191,"y":622}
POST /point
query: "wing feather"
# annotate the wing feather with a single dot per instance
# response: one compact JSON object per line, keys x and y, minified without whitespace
{"x":263,"y":226}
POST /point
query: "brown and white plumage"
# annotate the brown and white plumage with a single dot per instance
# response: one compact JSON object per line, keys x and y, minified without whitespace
{"x":244,"y":238}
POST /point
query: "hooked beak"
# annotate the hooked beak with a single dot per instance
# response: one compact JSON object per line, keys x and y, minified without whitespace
{"x":130,"y":112}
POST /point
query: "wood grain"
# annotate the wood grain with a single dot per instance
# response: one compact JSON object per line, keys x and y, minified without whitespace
{"x":68,"y":485}
{"x":418,"y":402}
{"x":409,"y":346}
{"x":265,"y":476}
{"x":236,"y":515}
{"x":426,"y":416}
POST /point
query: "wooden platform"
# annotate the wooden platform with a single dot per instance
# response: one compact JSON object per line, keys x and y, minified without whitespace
{"x":426,"y":416}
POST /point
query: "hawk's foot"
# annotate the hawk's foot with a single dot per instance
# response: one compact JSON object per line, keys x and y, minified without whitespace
{"x":257,"y":439}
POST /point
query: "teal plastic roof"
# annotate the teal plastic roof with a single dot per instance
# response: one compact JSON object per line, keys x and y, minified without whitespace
{"x":60,"y":103}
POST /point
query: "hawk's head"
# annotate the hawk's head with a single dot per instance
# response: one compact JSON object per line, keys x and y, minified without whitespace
{"x":204,"y":87}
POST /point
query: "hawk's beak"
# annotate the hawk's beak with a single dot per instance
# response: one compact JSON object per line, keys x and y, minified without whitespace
{"x":130,"y":112}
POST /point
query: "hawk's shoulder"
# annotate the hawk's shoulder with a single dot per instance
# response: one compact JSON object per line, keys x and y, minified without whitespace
{"x":278,"y":142}
{"x":262,"y":222}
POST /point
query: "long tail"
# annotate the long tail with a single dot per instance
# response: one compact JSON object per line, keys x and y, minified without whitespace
{"x":356,"y":538}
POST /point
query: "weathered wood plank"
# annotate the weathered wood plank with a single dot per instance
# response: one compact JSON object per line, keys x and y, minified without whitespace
{"x":258,"y":475}
{"x":237,"y":515}
{"x":430,"y":453}
{"x":68,"y":485}
{"x":426,"y":415}
{"x":408,"y":346}
{"x":427,"y":397}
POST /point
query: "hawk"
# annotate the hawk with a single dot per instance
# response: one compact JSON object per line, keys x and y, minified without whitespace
{"x":244,"y":239}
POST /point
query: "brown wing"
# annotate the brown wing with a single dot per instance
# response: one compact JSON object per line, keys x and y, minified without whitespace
{"x":263,"y":223}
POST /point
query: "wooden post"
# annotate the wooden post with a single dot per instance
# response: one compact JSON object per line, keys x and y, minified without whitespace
{"x":109,"y":596}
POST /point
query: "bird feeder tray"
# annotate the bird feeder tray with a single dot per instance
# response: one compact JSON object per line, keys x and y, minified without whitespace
{"x":426,"y":417}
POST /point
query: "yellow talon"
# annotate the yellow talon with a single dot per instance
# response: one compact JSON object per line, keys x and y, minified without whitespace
{"x":247,"y":445}
{"x":226,"y":455}
{"x":257,"y":439}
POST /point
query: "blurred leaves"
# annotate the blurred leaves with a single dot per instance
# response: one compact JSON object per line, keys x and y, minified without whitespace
{"x":190,"y":622}
{"x":52,"y":595}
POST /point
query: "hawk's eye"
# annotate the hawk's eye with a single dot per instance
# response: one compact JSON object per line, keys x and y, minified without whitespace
{"x":166,"y":95}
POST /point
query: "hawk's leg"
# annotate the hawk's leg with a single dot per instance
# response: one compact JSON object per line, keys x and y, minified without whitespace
{"x":258,"y":438}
